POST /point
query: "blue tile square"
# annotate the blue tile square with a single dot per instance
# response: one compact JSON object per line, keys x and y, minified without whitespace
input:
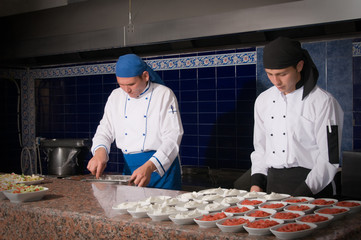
{"x":190,"y":140}
{"x":226,"y":95}
{"x":188,"y":74}
{"x":109,"y":79}
{"x":171,"y":75}
{"x":246,"y":70}
{"x":228,"y":71}
{"x":206,"y":129}
{"x":188,"y":96}
{"x":208,"y":72}
{"x":207,"y":118}
{"x":248,"y":82}
{"x":207,"y":106}
{"x":208,"y":83}
{"x":207,"y":95}
{"x":188,"y":107}
{"x":188,"y":85}
{"x":174,"y":85}
{"x":190,"y":118}
{"x":226,"y":106}
{"x":339,"y":48}
{"x":190,"y":128}
{"x":226,"y":83}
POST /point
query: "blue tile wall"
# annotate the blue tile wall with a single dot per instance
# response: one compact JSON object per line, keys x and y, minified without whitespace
{"x":215,"y":95}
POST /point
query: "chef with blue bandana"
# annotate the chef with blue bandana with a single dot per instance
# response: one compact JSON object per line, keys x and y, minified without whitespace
{"x":142,"y":117}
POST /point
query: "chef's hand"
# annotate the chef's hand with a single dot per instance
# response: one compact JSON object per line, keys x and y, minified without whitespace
{"x":98,"y":162}
{"x":255,"y":188}
{"x":141,"y":176}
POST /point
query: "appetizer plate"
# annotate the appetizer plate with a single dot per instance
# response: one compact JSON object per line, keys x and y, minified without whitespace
{"x":296,"y":200}
{"x":137,"y":214}
{"x":214,"y":207}
{"x":276,"y":196}
{"x":229,"y":210}
{"x":229,"y":200}
{"x":186,"y":217}
{"x":122,"y":208}
{"x":312,"y":219}
{"x":276,"y":205}
{"x":185,"y":197}
{"x":293,"y":235}
{"x":210,"y":223}
{"x":260,"y":231}
{"x":233,"y":228}
{"x":218,"y":191}
{"x":251,"y":202}
{"x":323,"y":202}
{"x":353,"y":205}
{"x":269,"y":212}
{"x":307,"y":208}
{"x":159,"y":217}
{"x":209,"y":198}
{"x":191,"y":204}
{"x":234,"y":193}
{"x":290,"y":214}
{"x":25,"y":197}
{"x":336,"y":216}
{"x":254,"y":195}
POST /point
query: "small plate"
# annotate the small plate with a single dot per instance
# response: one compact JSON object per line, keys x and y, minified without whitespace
{"x":336,"y":216}
{"x":250,"y":195}
{"x":297,"y":200}
{"x":260,"y":231}
{"x":276,"y":196}
{"x":320,"y":224}
{"x":25,"y":197}
{"x":214,"y":207}
{"x":209,"y":198}
{"x":293,"y":235}
{"x":233,"y":228}
{"x":272,"y":205}
{"x":298,"y":207}
{"x":122,"y":208}
{"x":234,"y":193}
{"x":185,"y":220}
{"x":286,"y":220}
{"x":185,"y":197}
{"x":269,"y":211}
{"x":229,"y":200}
{"x":248,"y":202}
{"x":191,"y":205}
{"x":210,"y":224}
{"x":139,"y":212}
{"x":159,"y":217}
{"x":323,"y":202}
{"x":250,"y":208}
{"x":218,"y":191}
{"x":346,"y":203}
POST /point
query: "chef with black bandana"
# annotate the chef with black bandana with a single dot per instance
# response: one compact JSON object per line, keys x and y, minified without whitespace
{"x":142,"y":117}
{"x":298,"y":126}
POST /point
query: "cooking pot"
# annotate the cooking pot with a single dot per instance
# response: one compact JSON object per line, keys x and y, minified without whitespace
{"x":65,"y":156}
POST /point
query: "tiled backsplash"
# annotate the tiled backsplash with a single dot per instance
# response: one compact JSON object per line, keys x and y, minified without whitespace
{"x":215,"y":90}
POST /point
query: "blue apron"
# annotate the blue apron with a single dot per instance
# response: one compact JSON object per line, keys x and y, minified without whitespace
{"x":171,"y":179}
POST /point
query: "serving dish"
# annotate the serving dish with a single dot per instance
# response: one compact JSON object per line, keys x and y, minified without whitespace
{"x":296,"y":200}
{"x":310,"y":218}
{"x":186,"y":217}
{"x":254,"y":195}
{"x":233,"y":228}
{"x":275,"y":196}
{"x":293,"y":235}
{"x":287,"y":216}
{"x":268,"y":213}
{"x":353,"y":205}
{"x":273,"y":205}
{"x":213,"y":207}
{"x":336,"y":216}
{"x":211,"y":223}
{"x":323,"y":202}
{"x":229,"y":200}
{"x":261,"y":230}
{"x":235,"y":212}
{"x":255,"y":202}
{"x":26,"y":196}
{"x":300,"y":207}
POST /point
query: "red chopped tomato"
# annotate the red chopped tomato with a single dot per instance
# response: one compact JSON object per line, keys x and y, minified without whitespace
{"x":259,"y":213}
{"x":262,"y":223}
{"x":286,"y":215}
{"x":293,"y":227}
{"x":298,"y":208}
{"x":237,"y":209}
{"x":332,"y":210}
{"x":313,"y":218}
{"x":251,"y":202}
{"x":273,"y":205}
{"x":347,"y":204}
{"x":213,"y":217}
{"x":296,"y":200}
{"x":322,"y":202}
{"x":235,"y":221}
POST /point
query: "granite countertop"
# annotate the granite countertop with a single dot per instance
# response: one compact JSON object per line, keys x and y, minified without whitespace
{"x":75,"y":209}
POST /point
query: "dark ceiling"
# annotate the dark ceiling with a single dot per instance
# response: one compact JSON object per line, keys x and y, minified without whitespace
{"x":336,"y":30}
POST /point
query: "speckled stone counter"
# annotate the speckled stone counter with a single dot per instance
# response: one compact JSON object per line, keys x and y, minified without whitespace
{"x":82,"y":210}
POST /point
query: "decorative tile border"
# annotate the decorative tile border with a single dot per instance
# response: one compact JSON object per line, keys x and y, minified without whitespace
{"x":356,"y":49}
{"x":231,"y":59}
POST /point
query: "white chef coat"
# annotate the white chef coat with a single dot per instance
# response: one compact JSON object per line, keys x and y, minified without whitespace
{"x":148,"y":122}
{"x":291,"y":132}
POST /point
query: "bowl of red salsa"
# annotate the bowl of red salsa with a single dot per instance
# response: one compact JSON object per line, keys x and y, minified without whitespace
{"x":321,"y":220}
{"x":353,"y":205}
{"x":293,"y":230}
{"x":261,"y":226}
{"x":336,"y":212}
{"x":233,"y":224}
{"x":210,"y":220}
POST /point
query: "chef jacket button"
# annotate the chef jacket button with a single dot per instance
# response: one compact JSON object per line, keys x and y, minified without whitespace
{"x":273,"y":152}
{"x":145,"y":116}
{"x":128,"y":99}
{"x":143,"y":134}
{"x":126,"y":116}
{"x":283,"y":151}
{"x":272,"y":117}
{"x":284,"y":116}
{"x":271,"y":134}
{"x":146,"y":98}
{"x":142,"y":150}
{"x":126,"y":133}
{"x":284,"y":133}
{"x":274,"y":101}
{"x":125,"y":150}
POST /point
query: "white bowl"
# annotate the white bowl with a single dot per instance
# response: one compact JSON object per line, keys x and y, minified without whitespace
{"x":325,"y":202}
{"x":229,"y":200}
{"x":159,"y":217}
{"x":260,"y":231}
{"x":185,"y":197}
{"x":233,"y":228}
{"x":269,"y":211}
{"x":137,"y":214}
{"x":298,"y":200}
{"x":210,"y":224}
{"x":181,"y":221}
{"x":293,"y":235}
{"x":336,"y":216}
{"x":250,"y":195}
{"x":218,"y":191}
{"x":353,"y":209}
{"x":191,"y":204}
{"x":209,"y":198}
{"x":250,"y":208}
{"x":296,"y":215}
{"x":122,"y":208}
{"x":310,"y":209}
{"x":25,"y":197}
{"x":275,"y":196}
{"x":234,"y":193}
{"x":319,"y":224}
{"x":247,"y":202}
{"x":262,"y":206}
{"x":213,"y":207}
{"x":188,"y":219}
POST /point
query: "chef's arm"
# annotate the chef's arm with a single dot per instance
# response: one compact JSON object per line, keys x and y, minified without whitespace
{"x":98,"y":162}
{"x":141,"y":176}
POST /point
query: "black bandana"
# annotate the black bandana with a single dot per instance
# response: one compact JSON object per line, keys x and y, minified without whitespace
{"x":284,"y":52}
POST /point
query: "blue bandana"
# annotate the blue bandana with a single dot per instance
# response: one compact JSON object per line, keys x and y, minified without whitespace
{"x":130,"y":65}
